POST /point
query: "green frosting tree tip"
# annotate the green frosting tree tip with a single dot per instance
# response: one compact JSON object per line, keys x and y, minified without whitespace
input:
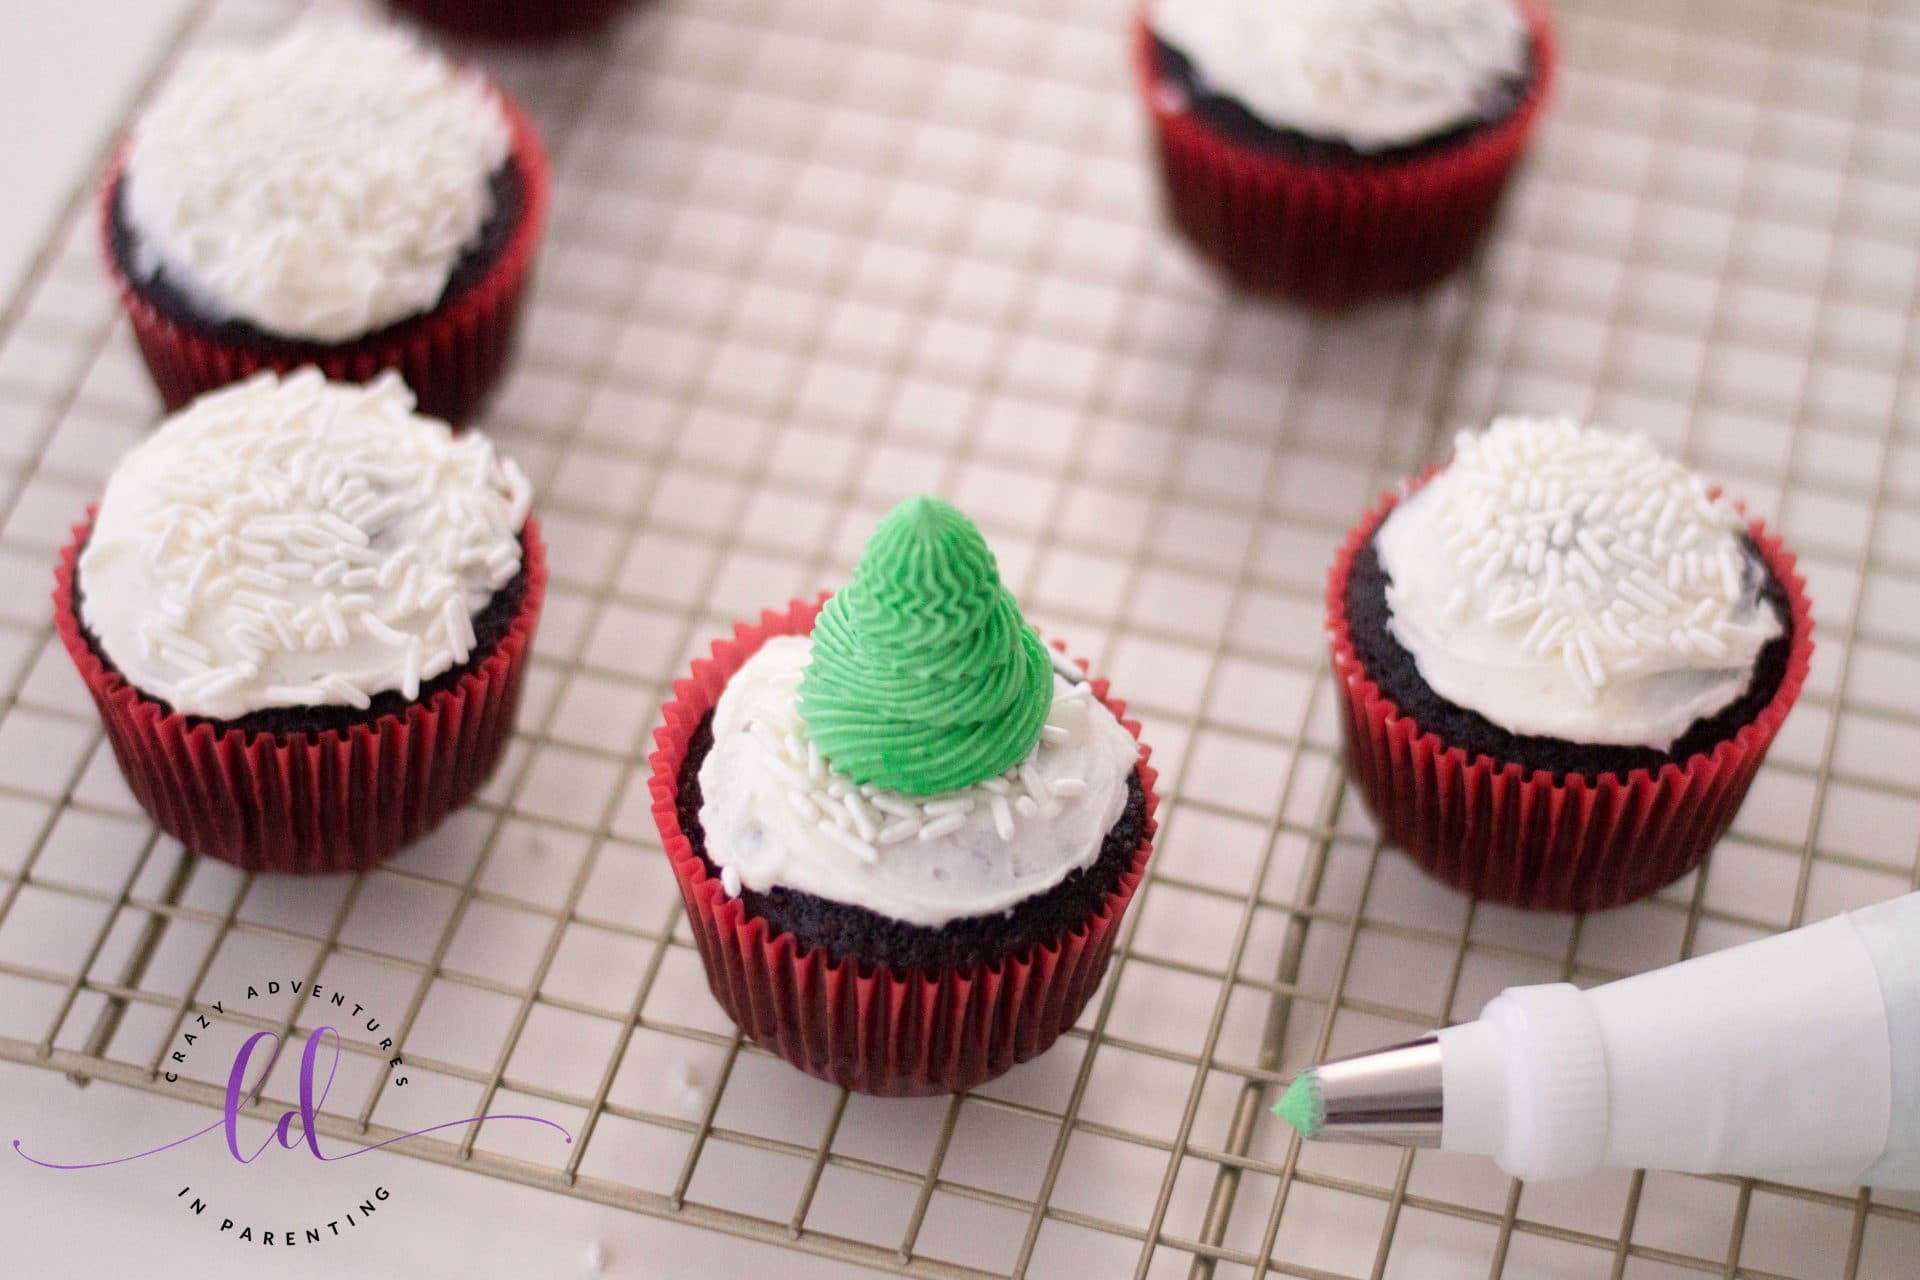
{"x":925,"y":677}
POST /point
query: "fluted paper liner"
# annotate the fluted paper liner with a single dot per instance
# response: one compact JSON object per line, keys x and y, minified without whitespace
{"x":309,"y":803}
{"x":451,"y":356}
{"x":1331,"y":235}
{"x":1503,"y":833}
{"x":867,"y":1027}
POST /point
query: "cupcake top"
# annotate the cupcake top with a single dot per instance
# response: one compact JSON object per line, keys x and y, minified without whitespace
{"x":916,"y":755}
{"x":297,"y":542}
{"x":322,"y":187}
{"x":1372,"y":74}
{"x":1572,"y":583}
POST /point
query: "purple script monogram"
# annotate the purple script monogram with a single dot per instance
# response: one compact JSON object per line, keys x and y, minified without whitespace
{"x":239,"y":1097}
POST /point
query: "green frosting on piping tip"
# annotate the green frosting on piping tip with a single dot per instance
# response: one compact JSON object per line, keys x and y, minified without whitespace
{"x":1300,"y":1106}
{"x":925,"y":677}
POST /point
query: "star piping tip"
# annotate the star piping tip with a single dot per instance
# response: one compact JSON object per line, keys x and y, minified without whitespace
{"x":1301,"y":1105}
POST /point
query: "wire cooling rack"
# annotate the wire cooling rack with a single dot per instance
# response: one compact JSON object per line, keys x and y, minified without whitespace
{"x":811,"y":255}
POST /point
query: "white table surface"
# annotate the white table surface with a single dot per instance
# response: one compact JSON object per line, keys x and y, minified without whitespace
{"x":67,"y":72}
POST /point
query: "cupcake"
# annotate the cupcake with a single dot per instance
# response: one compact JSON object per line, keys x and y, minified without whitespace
{"x":303,"y":611}
{"x":1331,"y":151}
{"x":531,"y":20}
{"x":1562,"y":660}
{"x":905,"y":834}
{"x":343,"y":198}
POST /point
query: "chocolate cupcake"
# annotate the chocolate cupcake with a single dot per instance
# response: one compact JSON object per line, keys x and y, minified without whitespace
{"x":904,"y":838}
{"x":1334,"y":150}
{"x":522,"y":20}
{"x":304,"y":612}
{"x":343,"y":198}
{"x":1563,"y":658}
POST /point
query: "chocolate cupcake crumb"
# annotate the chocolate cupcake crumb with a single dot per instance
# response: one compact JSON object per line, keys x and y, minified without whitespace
{"x":855,"y":933}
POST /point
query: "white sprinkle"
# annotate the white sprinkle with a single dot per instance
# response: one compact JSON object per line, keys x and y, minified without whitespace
{"x":1515,"y":612}
{"x":376,"y":627}
{"x":346,"y":691}
{"x":209,"y":685}
{"x":1068,"y":787}
{"x":176,"y":639}
{"x":850,"y":842}
{"x":1729,"y":575}
{"x":1594,"y":551}
{"x":894,"y":807}
{"x":1570,"y":658}
{"x":198,"y":574}
{"x":1030,"y":778}
{"x":944,"y":808}
{"x":410,"y":670}
{"x":1003,"y":817}
{"x":258,"y":578}
{"x":1590,"y":658}
{"x":459,"y":629}
{"x":863,"y":819}
{"x":1633,"y":591}
{"x":391,"y":569}
{"x":405,"y":600}
{"x":730,"y":883}
{"x":943,"y":826}
{"x":181,"y":658}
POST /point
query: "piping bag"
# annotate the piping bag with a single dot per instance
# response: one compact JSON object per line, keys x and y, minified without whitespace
{"x":1795,"y":1058}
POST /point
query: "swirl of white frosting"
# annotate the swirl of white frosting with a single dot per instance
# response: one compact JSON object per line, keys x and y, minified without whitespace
{"x":775,"y":815}
{"x":1370,"y":73}
{"x":1572,"y":583}
{"x":298,"y":542}
{"x":322,"y":187}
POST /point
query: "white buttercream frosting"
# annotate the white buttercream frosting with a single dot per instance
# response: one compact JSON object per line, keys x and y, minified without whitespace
{"x":322,"y":187}
{"x":1370,"y":73}
{"x":774,"y":815}
{"x":1570,"y":582}
{"x":298,"y":542}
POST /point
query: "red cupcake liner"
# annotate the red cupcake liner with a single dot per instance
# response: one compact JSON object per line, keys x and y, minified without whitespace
{"x":867,"y":1027}
{"x":1330,"y":235}
{"x":1503,"y":833}
{"x":451,"y":356}
{"x":531,"y":20}
{"x":309,"y":803}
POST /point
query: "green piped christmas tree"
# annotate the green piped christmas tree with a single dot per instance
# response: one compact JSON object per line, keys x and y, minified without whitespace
{"x":925,"y":677}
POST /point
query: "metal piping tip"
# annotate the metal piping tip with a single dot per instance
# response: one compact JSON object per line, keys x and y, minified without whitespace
{"x":1391,"y":1096}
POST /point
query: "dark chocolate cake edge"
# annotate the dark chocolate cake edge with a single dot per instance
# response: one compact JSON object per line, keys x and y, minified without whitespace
{"x":490,"y":626}
{"x":1392,"y":668}
{"x":852,"y":933}
{"x":509,"y":186}
{"x":1227,"y":116}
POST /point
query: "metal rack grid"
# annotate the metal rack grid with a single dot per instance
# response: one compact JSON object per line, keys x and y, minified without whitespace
{"x":810,"y":255}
